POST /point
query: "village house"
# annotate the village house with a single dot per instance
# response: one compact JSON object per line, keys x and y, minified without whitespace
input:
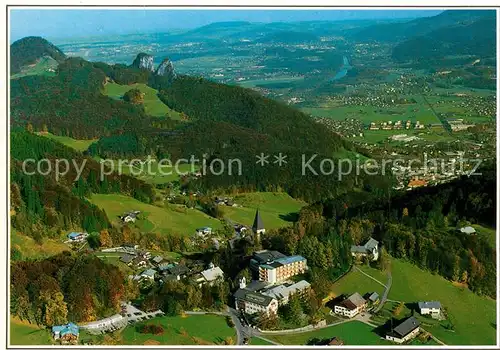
{"x":130,"y":216}
{"x":212,"y":274}
{"x":204,"y":231}
{"x":127,"y":259}
{"x":432,"y":308}
{"x":406,"y":330}
{"x":77,"y":236}
{"x":157,"y":259}
{"x":67,"y":333}
{"x":271,"y":266}
{"x":172,"y":272}
{"x":369,"y":249}
{"x":468,"y":230}
{"x":148,"y":274}
{"x":351,"y":306}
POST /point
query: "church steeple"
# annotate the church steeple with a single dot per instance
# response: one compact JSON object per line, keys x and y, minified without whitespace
{"x":258,"y":224}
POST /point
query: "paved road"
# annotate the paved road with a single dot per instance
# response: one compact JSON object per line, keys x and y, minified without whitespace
{"x":241,"y":330}
{"x":386,"y":291}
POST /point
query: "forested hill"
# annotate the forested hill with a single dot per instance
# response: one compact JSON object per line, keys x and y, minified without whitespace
{"x":395,"y":32}
{"x":42,"y":205}
{"x":476,"y":38}
{"x":28,"y":50}
{"x":421,"y":226}
{"x":223,"y":122}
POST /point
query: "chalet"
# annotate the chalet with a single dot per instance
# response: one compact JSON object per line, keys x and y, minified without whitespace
{"x":139,"y":261}
{"x":351,"y":306}
{"x":212,"y":274}
{"x":335,"y":341}
{"x":77,"y":236}
{"x":175,"y":271}
{"x":204,"y":231}
{"x":157,"y":259}
{"x":130,"y":216}
{"x":66,"y":333}
{"x":127,"y":259}
{"x":369,"y":249}
{"x":432,"y":308}
{"x":468,"y":230}
{"x":406,"y":330}
{"x":148,"y":274}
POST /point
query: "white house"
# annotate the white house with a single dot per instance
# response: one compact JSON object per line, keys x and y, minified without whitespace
{"x":432,"y":308}
{"x":406,"y":330}
{"x":282,"y":292}
{"x":370,"y":248}
{"x":210,"y":275}
{"x":148,"y":274}
{"x":351,"y":306}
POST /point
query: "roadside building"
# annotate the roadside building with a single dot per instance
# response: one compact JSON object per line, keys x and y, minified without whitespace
{"x":283,"y":292}
{"x":406,"y":330}
{"x":351,"y":306}
{"x":67,"y":333}
{"x":210,"y":276}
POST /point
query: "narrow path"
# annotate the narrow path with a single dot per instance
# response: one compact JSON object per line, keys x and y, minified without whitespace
{"x":367,"y":275}
{"x":434,"y":338}
{"x":267,"y":340}
{"x":386,"y":291}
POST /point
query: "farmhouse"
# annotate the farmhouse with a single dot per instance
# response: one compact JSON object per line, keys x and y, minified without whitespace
{"x":369,"y":249}
{"x":174,"y":271}
{"x":157,"y":259}
{"x":66,"y":333}
{"x":252,"y":302}
{"x":406,"y":330}
{"x":212,"y":274}
{"x":131,"y":216}
{"x":204,"y":231}
{"x":469,"y":230}
{"x":351,"y":306}
{"x":432,"y":308}
{"x":148,"y":274}
{"x":77,"y":236}
{"x":127,"y":259}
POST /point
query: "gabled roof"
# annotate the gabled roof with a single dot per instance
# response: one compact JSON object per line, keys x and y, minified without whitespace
{"x":429,"y":305}
{"x":69,"y":328}
{"x":212,"y":274}
{"x":127,"y":258}
{"x":357,"y":299}
{"x":371,"y":244}
{"x":374,"y":296}
{"x":406,"y":327}
{"x":259,"y":299}
{"x":148,"y":272}
{"x":257,"y":222}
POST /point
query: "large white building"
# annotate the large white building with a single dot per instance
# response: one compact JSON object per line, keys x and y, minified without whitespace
{"x":283,"y":292}
{"x":273,"y":267}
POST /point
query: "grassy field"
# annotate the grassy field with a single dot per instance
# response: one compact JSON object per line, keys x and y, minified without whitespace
{"x":355,"y":281}
{"x":275,"y":208}
{"x":173,"y":219}
{"x":44,"y":66}
{"x":24,"y":333}
{"x":79,"y":145}
{"x":472,"y":315}
{"x":488,"y":232}
{"x":352,"y":333}
{"x":152,"y":104}
{"x":182,"y":330}
{"x":31,"y":249}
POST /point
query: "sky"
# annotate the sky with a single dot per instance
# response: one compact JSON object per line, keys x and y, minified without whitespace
{"x":65,"y":23}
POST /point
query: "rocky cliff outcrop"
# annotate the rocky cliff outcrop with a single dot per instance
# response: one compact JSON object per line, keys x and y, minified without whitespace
{"x":166,"y":69}
{"x":143,"y":61}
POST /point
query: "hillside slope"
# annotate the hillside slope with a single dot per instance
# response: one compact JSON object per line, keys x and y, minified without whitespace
{"x":28,"y":50}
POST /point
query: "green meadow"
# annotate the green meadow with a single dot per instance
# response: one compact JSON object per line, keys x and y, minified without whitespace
{"x":152,"y":104}
{"x":352,"y":333}
{"x":44,"y":66}
{"x":356,"y":281}
{"x":173,"y":219}
{"x":79,"y":145}
{"x":182,"y":330}
{"x":276,"y":208}
{"x":24,"y":333}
